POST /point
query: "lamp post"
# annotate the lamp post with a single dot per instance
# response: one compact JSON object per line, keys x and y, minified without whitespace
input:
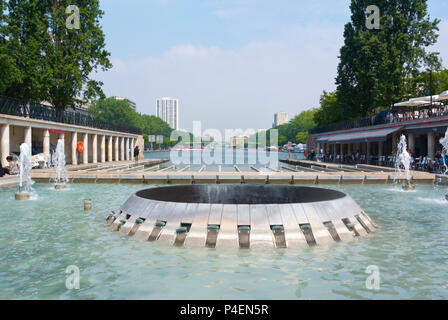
{"x":430,"y":85}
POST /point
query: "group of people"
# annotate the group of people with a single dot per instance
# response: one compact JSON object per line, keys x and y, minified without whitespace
{"x":11,"y":169}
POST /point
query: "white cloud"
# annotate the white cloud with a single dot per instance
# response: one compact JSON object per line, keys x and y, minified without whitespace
{"x":238,"y":88}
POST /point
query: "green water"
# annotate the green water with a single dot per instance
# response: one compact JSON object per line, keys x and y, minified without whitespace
{"x":40,"y":238}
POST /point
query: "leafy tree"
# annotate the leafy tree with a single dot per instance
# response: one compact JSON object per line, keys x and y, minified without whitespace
{"x":375,"y":64}
{"x":330,"y":110}
{"x":24,"y":72}
{"x":294,"y":131}
{"x":302,"y":136}
{"x":153,"y":125}
{"x":53,"y":62}
{"x":116,"y":112}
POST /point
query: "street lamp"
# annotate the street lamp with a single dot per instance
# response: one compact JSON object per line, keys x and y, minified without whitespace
{"x":430,"y":85}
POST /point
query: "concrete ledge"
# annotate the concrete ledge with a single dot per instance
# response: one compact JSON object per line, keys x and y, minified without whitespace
{"x":9,"y":181}
{"x":131,"y":178}
{"x":206,"y":179}
{"x":311,"y":179}
{"x":327,"y":179}
{"x":376,"y":179}
{"x":281,"y":179}
{"x":358,"y":179}
{"x":155,"y":179}
{"x":85,"y":178}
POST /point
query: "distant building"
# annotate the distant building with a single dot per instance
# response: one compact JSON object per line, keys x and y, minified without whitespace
{"x":132,"y":103}
{"x":239,"y":142}
{"x":280,"y":118}
{"x":168,"y":111}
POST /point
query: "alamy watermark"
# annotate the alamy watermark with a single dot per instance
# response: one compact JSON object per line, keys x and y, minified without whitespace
{"x":235,"y":146}
{"x":373,"y":17}
{"x":373,"y":280}
{"x":73,"y":278}
{"x":73,"y":20}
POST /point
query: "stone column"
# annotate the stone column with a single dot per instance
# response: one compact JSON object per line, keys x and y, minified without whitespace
{"x":380,"y":148}
{"x":28,"y":136}
{"x":62,"y":137}
{"x":103,"y":148}
{"x":74,"y":151}
{"x":4,"y":138}
{"x":431,"y":145}
{"x":85,"y":154}
{"x":116,"y":149}
{"x":46,"y":144}
{"x":109,"y":150}
{"x":95,"y":148}
{"x":395,"y":139}
{"x":122,"y":148}
{"x":132,"y":149}
{"x":127,"y":148}
{"x":411,"y":142}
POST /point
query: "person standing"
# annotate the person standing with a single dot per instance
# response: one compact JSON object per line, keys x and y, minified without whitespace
{"x":136,"y":153}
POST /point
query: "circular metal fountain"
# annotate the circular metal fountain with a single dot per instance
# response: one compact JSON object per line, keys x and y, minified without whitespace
{"x":241,"y":216}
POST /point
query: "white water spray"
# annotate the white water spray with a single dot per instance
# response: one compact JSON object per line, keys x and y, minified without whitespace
{"x":59,"y":162}
{"x":25,"y":168}
{"x":402,"y":160}
{"x":444,"y":142}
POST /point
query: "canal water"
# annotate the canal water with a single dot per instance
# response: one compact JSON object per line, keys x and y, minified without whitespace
{"x":41,"y":238}
{"x":224,"y":159}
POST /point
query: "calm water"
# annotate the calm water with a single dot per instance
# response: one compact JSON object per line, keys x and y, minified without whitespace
{"x":244,"y":159}
{"x":40,"y":238}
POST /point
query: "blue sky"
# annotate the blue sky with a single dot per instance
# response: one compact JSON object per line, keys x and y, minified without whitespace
{"x":233,"y":63}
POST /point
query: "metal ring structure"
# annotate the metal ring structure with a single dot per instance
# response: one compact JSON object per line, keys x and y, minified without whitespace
{"x":241,"y":216}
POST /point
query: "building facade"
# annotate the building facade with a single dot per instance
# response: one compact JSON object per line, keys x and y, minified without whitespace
{"x":280,"y":118}
{"x":168,"y":110}
{"x":132,"y":103}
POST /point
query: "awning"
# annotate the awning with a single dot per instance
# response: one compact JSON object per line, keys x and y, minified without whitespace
{"x":363,"y":136}
{"x":426,"y":128}
{"x":322,"y":139}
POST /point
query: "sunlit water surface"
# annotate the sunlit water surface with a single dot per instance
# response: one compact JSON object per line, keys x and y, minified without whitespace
{"x":42,"y":237}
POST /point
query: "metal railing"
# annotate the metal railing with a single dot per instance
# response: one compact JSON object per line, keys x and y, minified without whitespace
{"x":20,"y":108}
{"x":351,"y":124}
{"x":393,"y":117}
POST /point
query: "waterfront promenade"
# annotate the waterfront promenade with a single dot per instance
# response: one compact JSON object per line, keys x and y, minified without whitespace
{"x":136,"y":175}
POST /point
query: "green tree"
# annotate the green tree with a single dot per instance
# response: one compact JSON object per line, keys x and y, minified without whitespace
{"x":375,"y":64}
{"x":296,"y":130}
{"x":330,"y":110}
{"x":54,"y":62}
{"x":116,"y":112}
{"x":153,"y":125}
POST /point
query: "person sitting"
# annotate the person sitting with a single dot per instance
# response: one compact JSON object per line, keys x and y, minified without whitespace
{"x":12,"y":166}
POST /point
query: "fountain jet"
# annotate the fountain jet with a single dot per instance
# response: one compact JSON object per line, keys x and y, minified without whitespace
{"x":59,"y":162}
{"x":403,"y":161}
{"x":24,"y":175}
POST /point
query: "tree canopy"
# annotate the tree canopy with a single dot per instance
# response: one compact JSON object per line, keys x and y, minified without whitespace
{"x":376,"y":65}
{"x":43,"y":59}
{"x":120,"y":113}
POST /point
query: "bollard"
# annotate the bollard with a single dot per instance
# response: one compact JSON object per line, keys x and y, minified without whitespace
{"x":87,"y":204}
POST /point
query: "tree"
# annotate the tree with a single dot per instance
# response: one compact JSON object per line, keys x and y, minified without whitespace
{"x":330,"y":110}
{"x":153,"y":125}
{"x":375,"y":65}
{"x":23,"y":68}
{"x":116,"y":112}
{"x":54,"y":61}
{"x":294,"y":131}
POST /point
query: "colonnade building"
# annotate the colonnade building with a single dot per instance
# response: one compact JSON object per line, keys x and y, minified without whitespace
{"x":40,"y":127}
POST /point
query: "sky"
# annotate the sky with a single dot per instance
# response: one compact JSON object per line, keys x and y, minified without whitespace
{"x":231,"y":63}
